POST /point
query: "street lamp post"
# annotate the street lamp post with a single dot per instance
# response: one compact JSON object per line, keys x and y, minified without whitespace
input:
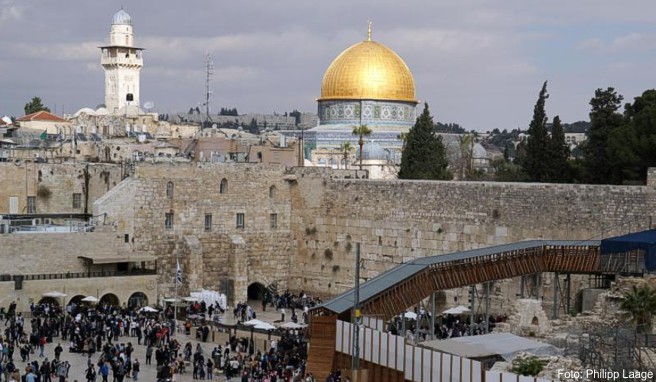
{"x":355,"y":361}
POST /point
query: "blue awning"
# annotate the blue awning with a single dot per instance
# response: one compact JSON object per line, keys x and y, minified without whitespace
{"x":644,"y":240}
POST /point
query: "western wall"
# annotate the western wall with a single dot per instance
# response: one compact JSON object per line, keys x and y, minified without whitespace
{"x":53,"y":185}
{"x":322,"y":213}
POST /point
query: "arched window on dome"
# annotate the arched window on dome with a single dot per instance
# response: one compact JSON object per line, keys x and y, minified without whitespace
{"x":272,"y":192}
{"x":332,"y":163}
{"x":321,"y":162}
{"x":223,"y":187}
{"x":169,"y":189}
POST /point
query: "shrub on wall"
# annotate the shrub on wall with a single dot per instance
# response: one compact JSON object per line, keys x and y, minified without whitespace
{"x":43,"y":192}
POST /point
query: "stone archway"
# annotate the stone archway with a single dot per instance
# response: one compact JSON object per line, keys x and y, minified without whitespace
{"x":109,"y":299}
{"x":256,"y":291}
{"x":49,"y":300}
{"x":137,"y":300}
{"x":77,"y":299}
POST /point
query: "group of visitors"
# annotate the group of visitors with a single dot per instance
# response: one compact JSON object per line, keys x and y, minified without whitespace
{"x":106,"y":336}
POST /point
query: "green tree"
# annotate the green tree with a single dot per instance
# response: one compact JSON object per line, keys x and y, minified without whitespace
{"x":558,"y":170}
{"x":640,"y":305}
{"x":632,"y":147}
{"x":466,"y":145}
{"x":361,"y":131}
{"x":529,"y":366}
{"x":346,"y":148}
{"x":505,"y":171}
{"x":604,"y":119}
{"x":34,"y":106}
{"x":536,"y":162}
{"x":424,"y":155}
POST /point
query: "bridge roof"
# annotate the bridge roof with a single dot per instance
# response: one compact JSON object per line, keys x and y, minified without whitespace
{"x":405,"y":271}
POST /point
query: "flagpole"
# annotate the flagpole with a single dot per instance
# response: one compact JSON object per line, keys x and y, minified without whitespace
{"x":175,"y":299}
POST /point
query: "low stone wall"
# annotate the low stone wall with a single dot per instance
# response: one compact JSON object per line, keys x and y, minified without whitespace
{"x":122,"y":287}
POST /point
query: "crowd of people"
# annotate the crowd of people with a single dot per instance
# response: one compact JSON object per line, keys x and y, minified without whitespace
{"x":446,"y":326}
{"x":107,"y":335}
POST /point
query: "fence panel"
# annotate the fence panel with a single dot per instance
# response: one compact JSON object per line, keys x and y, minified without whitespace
{"x":446,"y":367}
{"x":339,"y":334}
{"x":476,"y":370}
{"x":400,"y":354}
{"x":456,"y":366}
{"x":368,"y":338}
{"x":409,"y":362}
{"x":427,"y":356}
{"x":492,"y":376}
{"x":466,"y":369}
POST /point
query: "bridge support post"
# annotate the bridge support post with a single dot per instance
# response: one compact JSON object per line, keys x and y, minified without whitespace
{"x":568,"y":285}
{"x":487,"y":306}
{"x":432,"y":317}
{"x":556,"y":287}
{"x":522,"y":286}
{"x":472,"y":298}
{"x":538,"y":284}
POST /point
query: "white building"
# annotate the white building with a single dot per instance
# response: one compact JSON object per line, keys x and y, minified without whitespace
{"x":122,"y":62}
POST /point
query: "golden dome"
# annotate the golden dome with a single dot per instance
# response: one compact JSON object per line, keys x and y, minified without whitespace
{"x":368,"y":70}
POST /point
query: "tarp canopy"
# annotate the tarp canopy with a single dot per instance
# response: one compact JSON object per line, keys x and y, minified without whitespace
{"x":505,"y":345}
{"x":644,"y":240}
{"x":460,"y":309}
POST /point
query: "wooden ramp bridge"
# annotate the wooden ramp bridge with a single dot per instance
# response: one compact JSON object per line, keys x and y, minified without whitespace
{"x":408,"y":284}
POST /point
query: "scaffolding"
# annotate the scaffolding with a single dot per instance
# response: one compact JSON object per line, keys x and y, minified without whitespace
{"x":614,"y":348}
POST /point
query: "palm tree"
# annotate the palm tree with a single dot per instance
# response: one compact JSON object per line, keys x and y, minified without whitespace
{"x":403,"y":137}
{"x":640,"y":304}
{"x":346,"y":148}
{"x":361,"y":131}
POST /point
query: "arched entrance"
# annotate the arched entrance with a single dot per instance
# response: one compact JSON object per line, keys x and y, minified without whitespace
{"x":109,"y":299}
{"x":256,"y":291}
{"x":77,"y":300}
{"x":137,"y":300}
{"x":49,"y":300}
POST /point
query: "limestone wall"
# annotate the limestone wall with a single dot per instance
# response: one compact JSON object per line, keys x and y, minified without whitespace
{"x":60,"y":181}
{"x":257,"y":252}
{"x":399,"y":220}
{"x":43,"y":253}
{"x":322,"y":214}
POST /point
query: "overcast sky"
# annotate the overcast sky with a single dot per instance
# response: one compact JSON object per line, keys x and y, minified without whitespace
{"x":479,"y":63}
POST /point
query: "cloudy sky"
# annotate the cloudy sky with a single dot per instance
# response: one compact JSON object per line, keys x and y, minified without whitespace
{"x":479,"y":63}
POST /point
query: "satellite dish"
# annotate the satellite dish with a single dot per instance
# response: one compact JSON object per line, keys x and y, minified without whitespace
{"x":149,"y":105}
{"x":6,"y":120}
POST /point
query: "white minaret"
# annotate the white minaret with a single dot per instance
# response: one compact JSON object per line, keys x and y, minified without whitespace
{"x":122,"y":62}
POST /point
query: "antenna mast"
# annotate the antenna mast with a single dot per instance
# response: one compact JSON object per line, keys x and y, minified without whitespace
{"x":209,"y":67}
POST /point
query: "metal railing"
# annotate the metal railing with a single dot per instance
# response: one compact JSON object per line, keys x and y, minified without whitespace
{"x":78,"y":275}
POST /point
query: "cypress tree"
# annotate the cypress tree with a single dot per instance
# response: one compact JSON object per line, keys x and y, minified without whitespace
{"x":424,"y":155}
{"x":558,"y":164}
{"x":604,"y":119}
{"x":536,"y":161}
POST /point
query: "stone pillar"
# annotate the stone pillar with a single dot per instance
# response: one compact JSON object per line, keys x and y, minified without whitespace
{"x":239,"y":268}
{"x":195,"y":264}
{"x":651,"y":177}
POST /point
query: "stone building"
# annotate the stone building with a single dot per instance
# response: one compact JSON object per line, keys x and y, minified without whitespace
{"x":239,"y":225}
{"x":234,"y":225}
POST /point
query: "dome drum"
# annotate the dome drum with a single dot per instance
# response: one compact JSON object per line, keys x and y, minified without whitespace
{"x":370,"y":112}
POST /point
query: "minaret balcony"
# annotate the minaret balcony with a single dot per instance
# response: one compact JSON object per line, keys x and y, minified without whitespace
{"x":130,"y":61}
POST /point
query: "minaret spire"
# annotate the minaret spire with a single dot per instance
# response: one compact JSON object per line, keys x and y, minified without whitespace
{"x":369,"y":30}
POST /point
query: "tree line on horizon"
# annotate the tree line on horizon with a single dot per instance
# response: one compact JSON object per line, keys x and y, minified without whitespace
{"x":619,"y":149}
